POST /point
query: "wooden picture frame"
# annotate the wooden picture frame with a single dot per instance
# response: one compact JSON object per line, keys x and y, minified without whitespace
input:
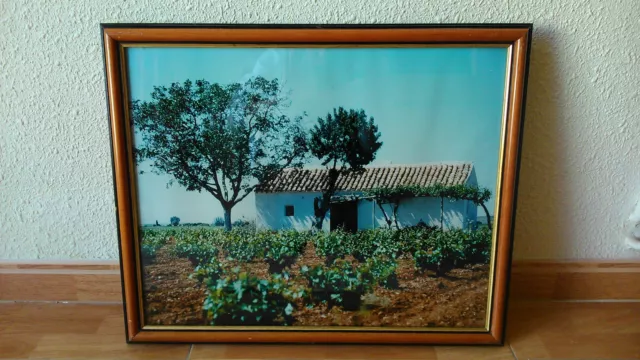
{"x":117,"y":38}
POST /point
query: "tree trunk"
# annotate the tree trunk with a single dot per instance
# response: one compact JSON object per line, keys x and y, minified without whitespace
{"x":442,"y":213}
{"x":486,"y":212}
{"x":396,"y":205}
{"x":320,"y":212}
{"x":227,"y":218}
{"x":386,"y":218}
{"x":321,"y":205}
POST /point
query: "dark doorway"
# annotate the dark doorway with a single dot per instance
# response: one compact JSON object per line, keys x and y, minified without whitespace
{"x":344,"y":215}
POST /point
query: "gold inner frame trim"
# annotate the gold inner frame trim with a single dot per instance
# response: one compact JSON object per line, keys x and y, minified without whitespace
{"x":313,"y":328}
{"x":135,"y":207}
{"x":496,"y":211}
{"x":311,"y":45}
{"x":132,"y":179}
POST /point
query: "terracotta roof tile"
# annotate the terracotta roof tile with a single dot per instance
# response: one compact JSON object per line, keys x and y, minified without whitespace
{"x":308,"y":180}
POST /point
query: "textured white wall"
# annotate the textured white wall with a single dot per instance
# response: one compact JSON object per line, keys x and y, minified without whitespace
{"x":581,"y":161}
{"x":270,"y":211}
{"x":412,"y":211}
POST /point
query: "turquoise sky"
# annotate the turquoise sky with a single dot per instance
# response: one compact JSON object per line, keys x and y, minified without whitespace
{"x":431,"y":104}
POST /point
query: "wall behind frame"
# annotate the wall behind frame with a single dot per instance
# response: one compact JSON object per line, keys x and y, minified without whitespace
{"x":580,"y":154}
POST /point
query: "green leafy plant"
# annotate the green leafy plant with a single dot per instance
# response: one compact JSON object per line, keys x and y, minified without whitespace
{"x":244,"y":246}
{"x":378,"y":242}
{"x":414,"y":238}
{"x":340,"y":284}
{"x":243,"y":299}
{"x":241,"y":223}
{"x":197,"y":247}
{"x":283,"y":249}
{"x":477,"y":246}
{"x":209,"y":273}
{"x":446,"y":253}
{"x":219,"y":221}
{"x":280,"y":257}
{"x":383,"y":271}
{"x":152,"y":240}
{"x":333,"y":245}
{"x":148,"y":252}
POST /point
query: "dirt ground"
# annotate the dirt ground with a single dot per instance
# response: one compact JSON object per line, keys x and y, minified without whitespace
{"x":422,"y":300}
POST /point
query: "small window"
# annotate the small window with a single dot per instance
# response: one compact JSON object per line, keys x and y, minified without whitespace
{"x":288,"y":210}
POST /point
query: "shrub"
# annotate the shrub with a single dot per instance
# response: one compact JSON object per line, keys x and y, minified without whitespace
{"x":175,"y":221}
{"x":148,"y":252}
{"x":243,"y":245}
{"x":247,"y":300}
{"x":283,"y":248}
{"x":169,"y":232}
{"x":240,"y":223}
{"x":197,"y":246}
{"x":219,"y":221}
{"x":383,"y":271}
{"x":477,"y":246}
{"x":415,"y":238}
{"x":333,"y":245}
{"x":379,"y":242}
{"x":445,"y":254}
{"x":152,"y":240}
{"x":340,"y":284}
{"x":467,"y":247}
{"x":209,"y":273}
{"x":194,"y":224}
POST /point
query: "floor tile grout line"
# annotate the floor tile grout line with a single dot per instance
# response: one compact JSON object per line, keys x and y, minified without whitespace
{"x":63,"y":302}
{"x":513,"y":351}
{"x":189,"y":352}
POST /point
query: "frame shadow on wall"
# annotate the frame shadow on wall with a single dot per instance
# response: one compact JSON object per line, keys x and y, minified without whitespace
{"x":543,"y":192}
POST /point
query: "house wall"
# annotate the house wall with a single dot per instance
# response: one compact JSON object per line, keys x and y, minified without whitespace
{"x":411,"y":211}
{"x":473,"y":179}
{"x":270,"y":211}
{"x":471,"y":211}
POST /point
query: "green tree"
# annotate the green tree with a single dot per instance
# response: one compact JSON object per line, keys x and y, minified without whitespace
{"x":345,"y":142}
{"x":223,"y":139}
{"x":479,"y":198}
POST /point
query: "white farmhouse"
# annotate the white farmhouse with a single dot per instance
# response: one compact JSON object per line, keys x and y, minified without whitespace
{"x":287,"y":201}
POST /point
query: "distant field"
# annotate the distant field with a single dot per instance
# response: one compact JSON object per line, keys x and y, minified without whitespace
{"x":167,"y":227}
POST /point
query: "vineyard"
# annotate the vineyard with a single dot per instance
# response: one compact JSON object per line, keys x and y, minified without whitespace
{"x":419,"y":276}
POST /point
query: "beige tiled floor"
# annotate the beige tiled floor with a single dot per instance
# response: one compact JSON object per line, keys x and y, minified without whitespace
{"x":536,"y":330}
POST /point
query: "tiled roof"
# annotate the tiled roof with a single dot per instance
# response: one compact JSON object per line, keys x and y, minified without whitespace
{"x":307,"y":180}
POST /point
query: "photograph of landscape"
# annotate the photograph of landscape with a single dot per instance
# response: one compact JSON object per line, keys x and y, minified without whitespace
{"x":316,"y":187}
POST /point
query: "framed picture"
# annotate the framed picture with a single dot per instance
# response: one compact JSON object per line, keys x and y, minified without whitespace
{"x":317,"y":184}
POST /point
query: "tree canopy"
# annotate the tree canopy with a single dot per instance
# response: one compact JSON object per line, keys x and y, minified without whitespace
{"x":475,"y":194}
{"x":345,"y":141}
{"x":223,"y":139}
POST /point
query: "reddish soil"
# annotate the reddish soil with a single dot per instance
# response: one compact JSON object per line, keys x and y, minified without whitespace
{"x":171,"y":298}
{"x":456,"y":300}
